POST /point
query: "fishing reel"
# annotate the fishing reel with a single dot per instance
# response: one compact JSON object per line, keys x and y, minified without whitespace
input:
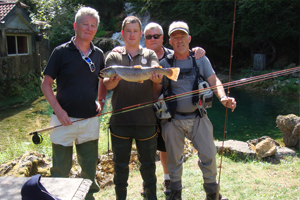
{"x":36,"y":138}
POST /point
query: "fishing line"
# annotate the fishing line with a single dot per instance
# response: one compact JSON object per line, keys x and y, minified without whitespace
{"x":185,"y":95}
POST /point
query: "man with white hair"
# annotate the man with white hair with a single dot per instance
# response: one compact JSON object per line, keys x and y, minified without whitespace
{"x":76,"y":65}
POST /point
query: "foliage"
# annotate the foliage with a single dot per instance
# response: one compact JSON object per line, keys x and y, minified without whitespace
{"x":60,"y":15}
{"x":21,"y":90}
{"x":255,"y":20}
{"x":211,"y":24}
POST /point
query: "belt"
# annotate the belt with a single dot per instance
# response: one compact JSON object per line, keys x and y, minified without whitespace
{"x":186,"y":114}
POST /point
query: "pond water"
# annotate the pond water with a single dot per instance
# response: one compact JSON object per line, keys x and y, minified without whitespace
{"x":255,"y":115}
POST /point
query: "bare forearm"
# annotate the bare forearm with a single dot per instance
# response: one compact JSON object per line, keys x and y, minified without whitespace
{"x":102,"y":91}
{"x":111,"y":83}
{"x":50,"y":96}
{"x":156,"y":90}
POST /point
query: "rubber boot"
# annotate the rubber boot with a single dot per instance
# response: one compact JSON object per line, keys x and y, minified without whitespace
{"x":212,"y":189}
{"x":87,"y":155}
{"x":62,"y":160}
{"x":175,"y":195}
{"x":146,"y":154}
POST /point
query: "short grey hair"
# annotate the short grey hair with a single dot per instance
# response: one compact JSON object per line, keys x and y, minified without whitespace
{"x":152,"y":25}
{"x":87,"y":11}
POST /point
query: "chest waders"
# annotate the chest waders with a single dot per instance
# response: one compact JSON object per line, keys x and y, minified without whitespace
{"x":201,"y":100}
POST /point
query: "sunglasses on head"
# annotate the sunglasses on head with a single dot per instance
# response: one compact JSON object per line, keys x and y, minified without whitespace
{"x":90,"y":63}
{"x":155,"y":36}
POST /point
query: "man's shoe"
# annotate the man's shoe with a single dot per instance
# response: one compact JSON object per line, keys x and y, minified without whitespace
{"x":175,"y":195}
{"x":213,"y":197}
{"x":167,"y":189}
{"x":143,"y":192}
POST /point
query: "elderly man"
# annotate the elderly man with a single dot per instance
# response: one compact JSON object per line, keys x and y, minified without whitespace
{"x":76,"y":65}
{"x":154,"y":35}
{"x":190,"y":118}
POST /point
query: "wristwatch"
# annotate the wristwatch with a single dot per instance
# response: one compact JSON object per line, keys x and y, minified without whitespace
{"x":101,"y":100}
{"x":222,"y":97}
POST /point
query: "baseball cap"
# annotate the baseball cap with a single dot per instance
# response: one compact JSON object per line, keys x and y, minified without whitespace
{"x":34,"y":190}
{"x":178,"y":26}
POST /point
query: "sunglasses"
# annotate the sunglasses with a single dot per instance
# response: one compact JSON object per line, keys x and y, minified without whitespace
{"x":90,"y":63}
{"x":156,"y":36}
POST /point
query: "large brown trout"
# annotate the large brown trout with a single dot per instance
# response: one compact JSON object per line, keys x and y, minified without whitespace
{"x":138,"y":73}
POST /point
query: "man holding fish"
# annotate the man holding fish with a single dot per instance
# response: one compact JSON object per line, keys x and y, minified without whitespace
{"x":190,"y":119}
{"x":154,"y":34}
{"x":139,"y":124}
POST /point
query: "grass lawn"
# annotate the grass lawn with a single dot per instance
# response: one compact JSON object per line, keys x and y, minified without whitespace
{"x":251,"y":180}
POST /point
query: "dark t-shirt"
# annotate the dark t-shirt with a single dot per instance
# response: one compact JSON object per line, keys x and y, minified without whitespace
{"x":77,"y":86}
{"x":132,"y":93}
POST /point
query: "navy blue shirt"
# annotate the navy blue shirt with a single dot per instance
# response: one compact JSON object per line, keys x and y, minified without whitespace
{"x":77,"y":86}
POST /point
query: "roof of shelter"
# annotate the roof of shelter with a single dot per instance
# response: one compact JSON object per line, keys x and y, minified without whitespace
{"x":7,"y":5}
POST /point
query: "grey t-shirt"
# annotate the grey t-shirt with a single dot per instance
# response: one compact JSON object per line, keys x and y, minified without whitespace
{"x":186,"y":80}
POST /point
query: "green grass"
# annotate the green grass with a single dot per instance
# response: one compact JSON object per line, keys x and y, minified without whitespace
{"x":17,"y":122}
{"x":240,"y":180}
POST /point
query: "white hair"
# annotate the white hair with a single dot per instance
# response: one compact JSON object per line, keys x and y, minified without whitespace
{"x":152,"y":25}
{"x":87,"y":11}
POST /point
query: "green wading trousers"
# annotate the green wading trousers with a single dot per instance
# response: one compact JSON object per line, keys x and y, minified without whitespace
{"x":146,"y":143}
{"x":87,"y":155}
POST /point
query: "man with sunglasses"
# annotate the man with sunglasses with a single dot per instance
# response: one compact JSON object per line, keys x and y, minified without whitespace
{"x":190,"y":118}
{"x":75,"y":66}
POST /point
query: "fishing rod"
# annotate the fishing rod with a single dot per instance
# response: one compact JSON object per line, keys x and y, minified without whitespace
{"x":37,"y":138}
{"x":225,"y":121}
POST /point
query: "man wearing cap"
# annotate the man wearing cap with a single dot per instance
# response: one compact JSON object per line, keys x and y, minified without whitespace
{"x":76,"y":65}
{"x":190,"y":120}
{"x":154,"y":40}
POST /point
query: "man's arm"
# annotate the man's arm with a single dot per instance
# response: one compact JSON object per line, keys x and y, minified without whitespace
{"x":219,"y":91}
{"x":61,"y":114}
{"x":102,"y":91}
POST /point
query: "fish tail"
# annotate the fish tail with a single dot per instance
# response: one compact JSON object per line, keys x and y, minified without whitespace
{"x":173,"y":73}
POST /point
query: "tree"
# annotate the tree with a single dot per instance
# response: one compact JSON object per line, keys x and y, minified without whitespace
{"x":211,"y":22}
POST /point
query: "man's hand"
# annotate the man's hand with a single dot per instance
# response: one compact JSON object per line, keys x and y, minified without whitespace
{"x":199,"y":52}
{"x":112,"y":82}
{"x":156,"y":78}
{"x":100,"y":106}
{"x":63,"y":117}
{"x":229,"y":102}
{"x":118,"y":49}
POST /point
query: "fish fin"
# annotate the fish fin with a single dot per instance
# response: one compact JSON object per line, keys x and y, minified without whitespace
{"x":137,"y":66}
{"x":160,"y":67}
{"x":173,"y":73}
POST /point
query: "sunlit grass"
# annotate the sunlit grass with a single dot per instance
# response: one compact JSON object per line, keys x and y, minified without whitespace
{"x":240,"y":180}
{"x":16,"y":125}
